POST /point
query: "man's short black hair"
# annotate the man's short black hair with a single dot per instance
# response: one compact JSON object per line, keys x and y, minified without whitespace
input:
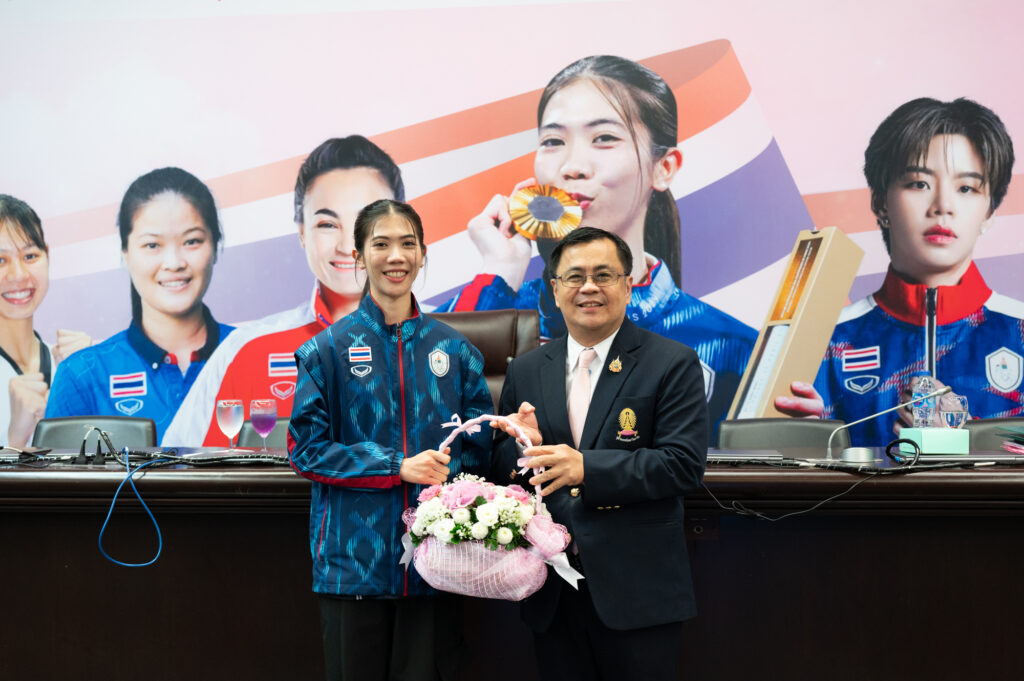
{"x":904,"y":136}
{"x":583,"y":235}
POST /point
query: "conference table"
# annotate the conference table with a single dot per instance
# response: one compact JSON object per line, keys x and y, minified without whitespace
{"x":894,"y":576}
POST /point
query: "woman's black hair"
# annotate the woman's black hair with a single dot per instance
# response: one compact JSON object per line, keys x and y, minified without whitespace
{"x":153,"y":184}
{"x":372,"y":213}
{"x":342,"y":153}
{"x":904,"y":136}
{"x":637,"y":94}
{"x":18,"y":216}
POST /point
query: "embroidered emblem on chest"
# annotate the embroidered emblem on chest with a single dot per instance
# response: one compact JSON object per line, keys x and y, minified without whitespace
{"x":359,"y":354}
{"x":627,"y":422}
{"x":1004,"y":369}
{"x":129,"y":406}
{"x":126,"y":385}
{"x":282,"y":390}
{"x":439,"y":363}
{"x":281,"y":364}
{"x":862,"y":383}
{"x":862,"y":359}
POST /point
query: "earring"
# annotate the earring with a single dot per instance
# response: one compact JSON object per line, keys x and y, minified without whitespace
{"x":885,"y":223}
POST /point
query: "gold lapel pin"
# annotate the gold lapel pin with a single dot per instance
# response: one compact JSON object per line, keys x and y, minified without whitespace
{"x":615,"y":366}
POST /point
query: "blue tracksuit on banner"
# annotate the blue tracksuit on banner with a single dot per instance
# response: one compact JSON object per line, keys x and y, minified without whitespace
{"x":368,"y":395}
{"x":723,"y":343}
{"x":129,"y":375}
{"x":966,"y":336}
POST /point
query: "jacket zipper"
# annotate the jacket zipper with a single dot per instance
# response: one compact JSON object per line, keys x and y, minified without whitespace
{"x":931,"y":296}
{"x":405,"y":444}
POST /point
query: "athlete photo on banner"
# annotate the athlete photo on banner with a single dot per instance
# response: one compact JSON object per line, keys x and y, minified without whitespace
{"x":728,"y":129}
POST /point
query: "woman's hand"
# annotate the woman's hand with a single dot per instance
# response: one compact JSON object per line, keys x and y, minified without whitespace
{"x":505,"y":252}
{"x":28,"y":394}
{"x":429,"y":467}
{"x":69,"y":342}
{"x":805,"y":402}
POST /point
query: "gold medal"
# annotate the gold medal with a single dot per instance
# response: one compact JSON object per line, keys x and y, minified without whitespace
{"x":544,"y":212}
{"x":615,"y":366}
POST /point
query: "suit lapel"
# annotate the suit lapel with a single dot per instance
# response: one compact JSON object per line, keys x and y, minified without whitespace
{"x":553,"y":412}
{"x":610,"y":383}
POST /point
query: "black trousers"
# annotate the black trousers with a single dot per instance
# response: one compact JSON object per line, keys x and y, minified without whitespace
{"x":579,"y":647}
{"x":391,"y":639}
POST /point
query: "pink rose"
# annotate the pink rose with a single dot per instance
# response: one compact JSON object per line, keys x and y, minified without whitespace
{"x":518,"y":493}
{"x":461,"y":494}
{"x":429,"y":493}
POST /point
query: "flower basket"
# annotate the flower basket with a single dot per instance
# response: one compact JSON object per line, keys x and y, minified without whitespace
{"x":475,"y":538}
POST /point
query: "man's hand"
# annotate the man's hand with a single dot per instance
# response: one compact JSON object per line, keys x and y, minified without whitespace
{"x":563,"y":464}
{"x":429,"y":467}
{"x":805,"y":403}
{"x":28,"y":394}
{"x":526,"y":419}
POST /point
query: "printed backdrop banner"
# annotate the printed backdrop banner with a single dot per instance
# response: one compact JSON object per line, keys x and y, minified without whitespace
{"x":776,"y":104}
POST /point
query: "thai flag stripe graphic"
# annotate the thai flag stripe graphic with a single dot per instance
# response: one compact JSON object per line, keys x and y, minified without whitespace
{"x":281,"y":364}
{"x":861,"y":359}
{"x":359,"y":353}
{"x":125,"y":385}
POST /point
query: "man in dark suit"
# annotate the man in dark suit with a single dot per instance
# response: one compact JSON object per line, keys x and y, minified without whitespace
{"x":616,"y":470}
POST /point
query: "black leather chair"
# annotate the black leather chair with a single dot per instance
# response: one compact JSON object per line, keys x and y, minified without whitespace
{"x":500,"y":335}
{"x":782,"y":433}
{"x":987,"y":435}
{"x":67,"y":432}
{"x":248,"y":437}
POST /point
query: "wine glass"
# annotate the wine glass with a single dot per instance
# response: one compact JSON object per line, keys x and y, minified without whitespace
{"x":263,"y":415}
{"x":230,"y":414}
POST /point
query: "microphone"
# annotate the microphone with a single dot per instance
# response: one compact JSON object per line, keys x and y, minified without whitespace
{"x":855,"y":455}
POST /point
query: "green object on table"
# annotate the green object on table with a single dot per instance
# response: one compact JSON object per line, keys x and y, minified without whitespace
{"x":936,"y":440}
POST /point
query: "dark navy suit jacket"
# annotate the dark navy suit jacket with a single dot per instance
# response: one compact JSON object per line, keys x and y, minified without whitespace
{"x":627,"y":516}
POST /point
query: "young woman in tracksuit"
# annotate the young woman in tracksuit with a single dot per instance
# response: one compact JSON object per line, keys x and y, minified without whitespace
{"x":372,"y":393}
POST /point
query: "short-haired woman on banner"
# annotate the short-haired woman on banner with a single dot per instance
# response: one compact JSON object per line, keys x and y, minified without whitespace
{"x":372,"y":393}
{"x":937,"y":173}
{"x":169,"y":235}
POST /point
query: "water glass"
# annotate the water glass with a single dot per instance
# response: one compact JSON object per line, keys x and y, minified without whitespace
{"x":230,"y":414}
{"x":263,"y":416}
{"x":953,"y":410}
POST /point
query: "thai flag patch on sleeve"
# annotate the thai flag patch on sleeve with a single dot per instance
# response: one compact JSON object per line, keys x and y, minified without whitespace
{"x":281,"y":364}
{"x":862,"y":359}
{"x":358,"y":354}
{"x":126,"y":385}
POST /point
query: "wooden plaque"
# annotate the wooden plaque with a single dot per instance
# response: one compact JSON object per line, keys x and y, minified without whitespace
{"x":807,"y":304}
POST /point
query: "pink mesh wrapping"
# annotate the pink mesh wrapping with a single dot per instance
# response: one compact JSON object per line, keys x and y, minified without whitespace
{"x":546,"y":535}
{"x":471,"y":569}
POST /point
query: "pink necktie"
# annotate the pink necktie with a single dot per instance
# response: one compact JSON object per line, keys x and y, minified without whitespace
{"x":579,"y":394}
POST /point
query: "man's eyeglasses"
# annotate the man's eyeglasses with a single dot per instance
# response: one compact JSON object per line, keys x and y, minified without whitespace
{"x":577,"y":279}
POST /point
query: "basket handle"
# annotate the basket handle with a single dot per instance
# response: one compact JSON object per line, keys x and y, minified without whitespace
{"x":473,"y":426}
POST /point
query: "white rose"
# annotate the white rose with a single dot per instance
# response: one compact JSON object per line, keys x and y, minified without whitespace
{"x":419,"y":526}
{"x":504,"y":535}
{"x":525,"y":514}
{"x":479,"y":530}
{"x":461,"y":515}
{"x":442,"y":529}
{"x":487,"y":513}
